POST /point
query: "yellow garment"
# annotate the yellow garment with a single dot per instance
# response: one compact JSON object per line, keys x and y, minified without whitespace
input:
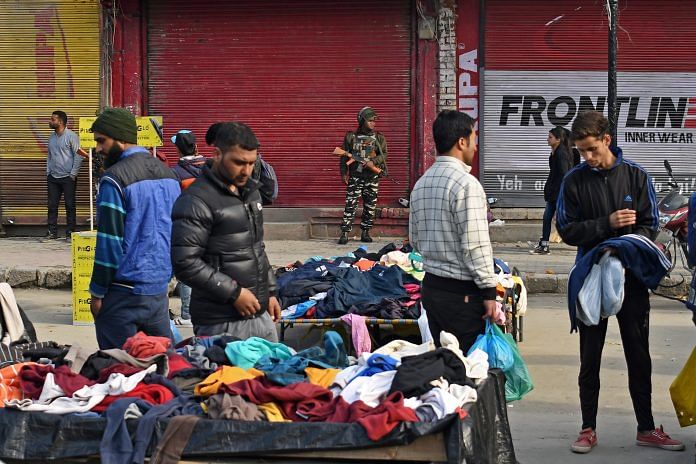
{"x":227,"y":374}
{"x":683,"y":392}
{"x":272,"y":412}
{"x":322,"y":377}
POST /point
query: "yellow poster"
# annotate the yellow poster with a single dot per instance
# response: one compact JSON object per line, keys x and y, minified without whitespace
{"x":83,"y":248}
{"x":86,"y":134}
{"x":150,"y":131}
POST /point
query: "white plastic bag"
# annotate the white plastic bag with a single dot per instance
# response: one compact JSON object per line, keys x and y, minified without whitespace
{"x":613,"y":279}
{"x":590,"y":297}
{"x":426,"y":336}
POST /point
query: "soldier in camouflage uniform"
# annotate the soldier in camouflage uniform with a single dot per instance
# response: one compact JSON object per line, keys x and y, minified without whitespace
{"x":361,"y":172}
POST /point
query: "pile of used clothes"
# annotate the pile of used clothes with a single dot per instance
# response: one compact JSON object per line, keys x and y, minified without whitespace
{"x":225,"y":378}
{"x":384,"y":285}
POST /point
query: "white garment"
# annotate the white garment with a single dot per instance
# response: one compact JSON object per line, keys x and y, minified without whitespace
{"x":398,"y":349}
{"x":10,"y":314}
{"x":344,"y":377}
{"x":319,"y":296}
{"x":51,"y":390}
{"x":371,"y":390}
{"x":602,"y":292}
{"x":477,"y":364}
{"x":86,"y":397}
{"x":522,"y":297}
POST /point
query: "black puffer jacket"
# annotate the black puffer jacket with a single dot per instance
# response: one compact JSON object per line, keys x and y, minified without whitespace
{"x":560,"y":162}
{"x":217,"y":248}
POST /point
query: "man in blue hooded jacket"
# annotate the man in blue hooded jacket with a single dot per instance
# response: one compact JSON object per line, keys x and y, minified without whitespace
{"x":132,"y":267}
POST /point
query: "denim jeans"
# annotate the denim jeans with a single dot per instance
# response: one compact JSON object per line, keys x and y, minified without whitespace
{"x":124,"y":313}
{"x":185,"y":295}
{"x":548,"y":217}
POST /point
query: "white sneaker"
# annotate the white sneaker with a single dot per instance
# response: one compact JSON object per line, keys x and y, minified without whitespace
{"x":183,"y":322}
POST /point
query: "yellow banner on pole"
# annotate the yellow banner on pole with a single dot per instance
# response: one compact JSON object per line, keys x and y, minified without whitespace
{"x":83,"y":248}
{"x":150,"y":131}
{"x":86,"y":134}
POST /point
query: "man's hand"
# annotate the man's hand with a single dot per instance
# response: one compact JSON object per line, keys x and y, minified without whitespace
{"x":246,"y":304}
{"x":72,"y":178}
{"x":489,"y":306}
{"x":622,"y":218}
{"x":274,"y":308}
{"x":95,"y":306}
{"x":345,"y":179}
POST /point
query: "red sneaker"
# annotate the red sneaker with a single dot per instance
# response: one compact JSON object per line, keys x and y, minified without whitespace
{"x":585,"y":442}
{"x":659,"y":439}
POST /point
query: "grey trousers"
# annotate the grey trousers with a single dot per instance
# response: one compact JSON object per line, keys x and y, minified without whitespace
{"x":262,"y":326}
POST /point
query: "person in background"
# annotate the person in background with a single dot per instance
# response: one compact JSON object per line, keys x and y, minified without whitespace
{"x":610,"y":196}
{"x":560,"y":162}
{"x":62,"y":166}
{"x":448,"y":225}
{"x":217,"y":242}
{"x":361,"y":181}
{"x":132,"y":265}
{"x":187,"y":170}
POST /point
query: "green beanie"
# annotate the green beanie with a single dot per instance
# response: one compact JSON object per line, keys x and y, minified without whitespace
{"x":365,"y":114}
{"x":117,"y":123}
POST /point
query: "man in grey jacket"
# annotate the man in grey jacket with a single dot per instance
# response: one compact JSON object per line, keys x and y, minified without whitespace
{"x":62,"y":165}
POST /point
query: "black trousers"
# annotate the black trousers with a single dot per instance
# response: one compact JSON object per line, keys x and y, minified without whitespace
{"x":455,"y":313}
{"x":56,"y":187}
{"x":633,"y":320}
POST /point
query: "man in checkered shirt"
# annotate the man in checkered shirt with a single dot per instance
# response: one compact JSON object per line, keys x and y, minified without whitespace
{"x":448,"y":225}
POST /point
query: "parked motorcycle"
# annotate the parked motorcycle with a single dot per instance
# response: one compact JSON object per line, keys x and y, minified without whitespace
{"x":673,"y":218}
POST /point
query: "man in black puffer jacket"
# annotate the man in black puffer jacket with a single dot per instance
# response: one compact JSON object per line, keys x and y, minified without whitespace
{"x":217,"y":243}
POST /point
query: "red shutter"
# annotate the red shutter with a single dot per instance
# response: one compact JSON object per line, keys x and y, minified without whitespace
{"x":296,"y":72}
{"x":572,"y":35}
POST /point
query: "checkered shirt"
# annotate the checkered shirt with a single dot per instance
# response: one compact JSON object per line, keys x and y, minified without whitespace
{"x":448,"y":223}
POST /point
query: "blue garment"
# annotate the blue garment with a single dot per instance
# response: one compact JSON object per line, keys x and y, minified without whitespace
{"x":123,"y":314}
{"x":135,"y":201}
{"x":353,"y":287}
{"x":246,"y":353}
{"x":63,"y":160}
{"x":378,"y":363}
{"x":179,"y":406}
{"x":116,"y":446}
{"x":637,"y":254}
{"x":691,"y":256}
{"x":291,"y":370}
{"x":301,"y":309}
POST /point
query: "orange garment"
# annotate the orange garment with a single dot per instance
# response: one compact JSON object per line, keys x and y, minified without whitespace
{"x":10,"y":388}
{"x":143,"y":346}
{"x":226,"y":374}
{"x":322,"y":377}
{"x":364,"y":264}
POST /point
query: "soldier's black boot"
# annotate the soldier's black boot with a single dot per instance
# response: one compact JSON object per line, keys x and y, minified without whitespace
{"x":365,"y":237}
{"x":343,"y":239}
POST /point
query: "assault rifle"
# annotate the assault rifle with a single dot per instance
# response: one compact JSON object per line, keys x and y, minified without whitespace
{"x":365,"y":162}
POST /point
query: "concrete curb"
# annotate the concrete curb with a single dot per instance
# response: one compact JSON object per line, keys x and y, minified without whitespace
{"x":61,"y":278}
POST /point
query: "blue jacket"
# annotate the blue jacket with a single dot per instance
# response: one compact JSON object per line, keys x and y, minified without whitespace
{"x":134,"y":208}
{"x":637,"y":253}
{"x":691,"y":299}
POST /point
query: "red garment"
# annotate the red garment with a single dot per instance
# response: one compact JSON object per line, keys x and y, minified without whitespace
{"x":177,"y":363}
{"x":307,"y":402}
{"x":310,"y":312}
{"x":412,"y":288}
{"x":120,"y":368}
{"x":388,"y":414}
{"x":289,"y":398}
{"x":32,"y":379}
{"x":144,"y":346}
{"x":152,"y":393}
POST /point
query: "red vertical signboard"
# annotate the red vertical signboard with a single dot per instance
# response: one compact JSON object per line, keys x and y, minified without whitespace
{"x":468,"y":12}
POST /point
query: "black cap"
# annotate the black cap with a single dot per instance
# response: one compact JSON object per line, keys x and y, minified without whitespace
{"x":185,"y":141}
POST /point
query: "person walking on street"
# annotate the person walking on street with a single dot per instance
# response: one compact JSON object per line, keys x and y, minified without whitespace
{"x":609,"y":196}
{"x":187,"y":170}
{"x":62,"y":166}
{"x":217,"y":242}
{"x":360,"y":176}
{"x":448,"y":225}
{"x":132,"y":265}
{"x":560,"y":162}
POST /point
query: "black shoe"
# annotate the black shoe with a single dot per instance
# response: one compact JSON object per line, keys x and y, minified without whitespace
{"x":343,"y":239}
{"x":540,"y":250}
{"x":51,"y":236}
{"x":365,"y":237}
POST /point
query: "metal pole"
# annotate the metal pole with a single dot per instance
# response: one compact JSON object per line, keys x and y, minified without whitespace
{"x":612,"y":90}
{"x":91,"y":194}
